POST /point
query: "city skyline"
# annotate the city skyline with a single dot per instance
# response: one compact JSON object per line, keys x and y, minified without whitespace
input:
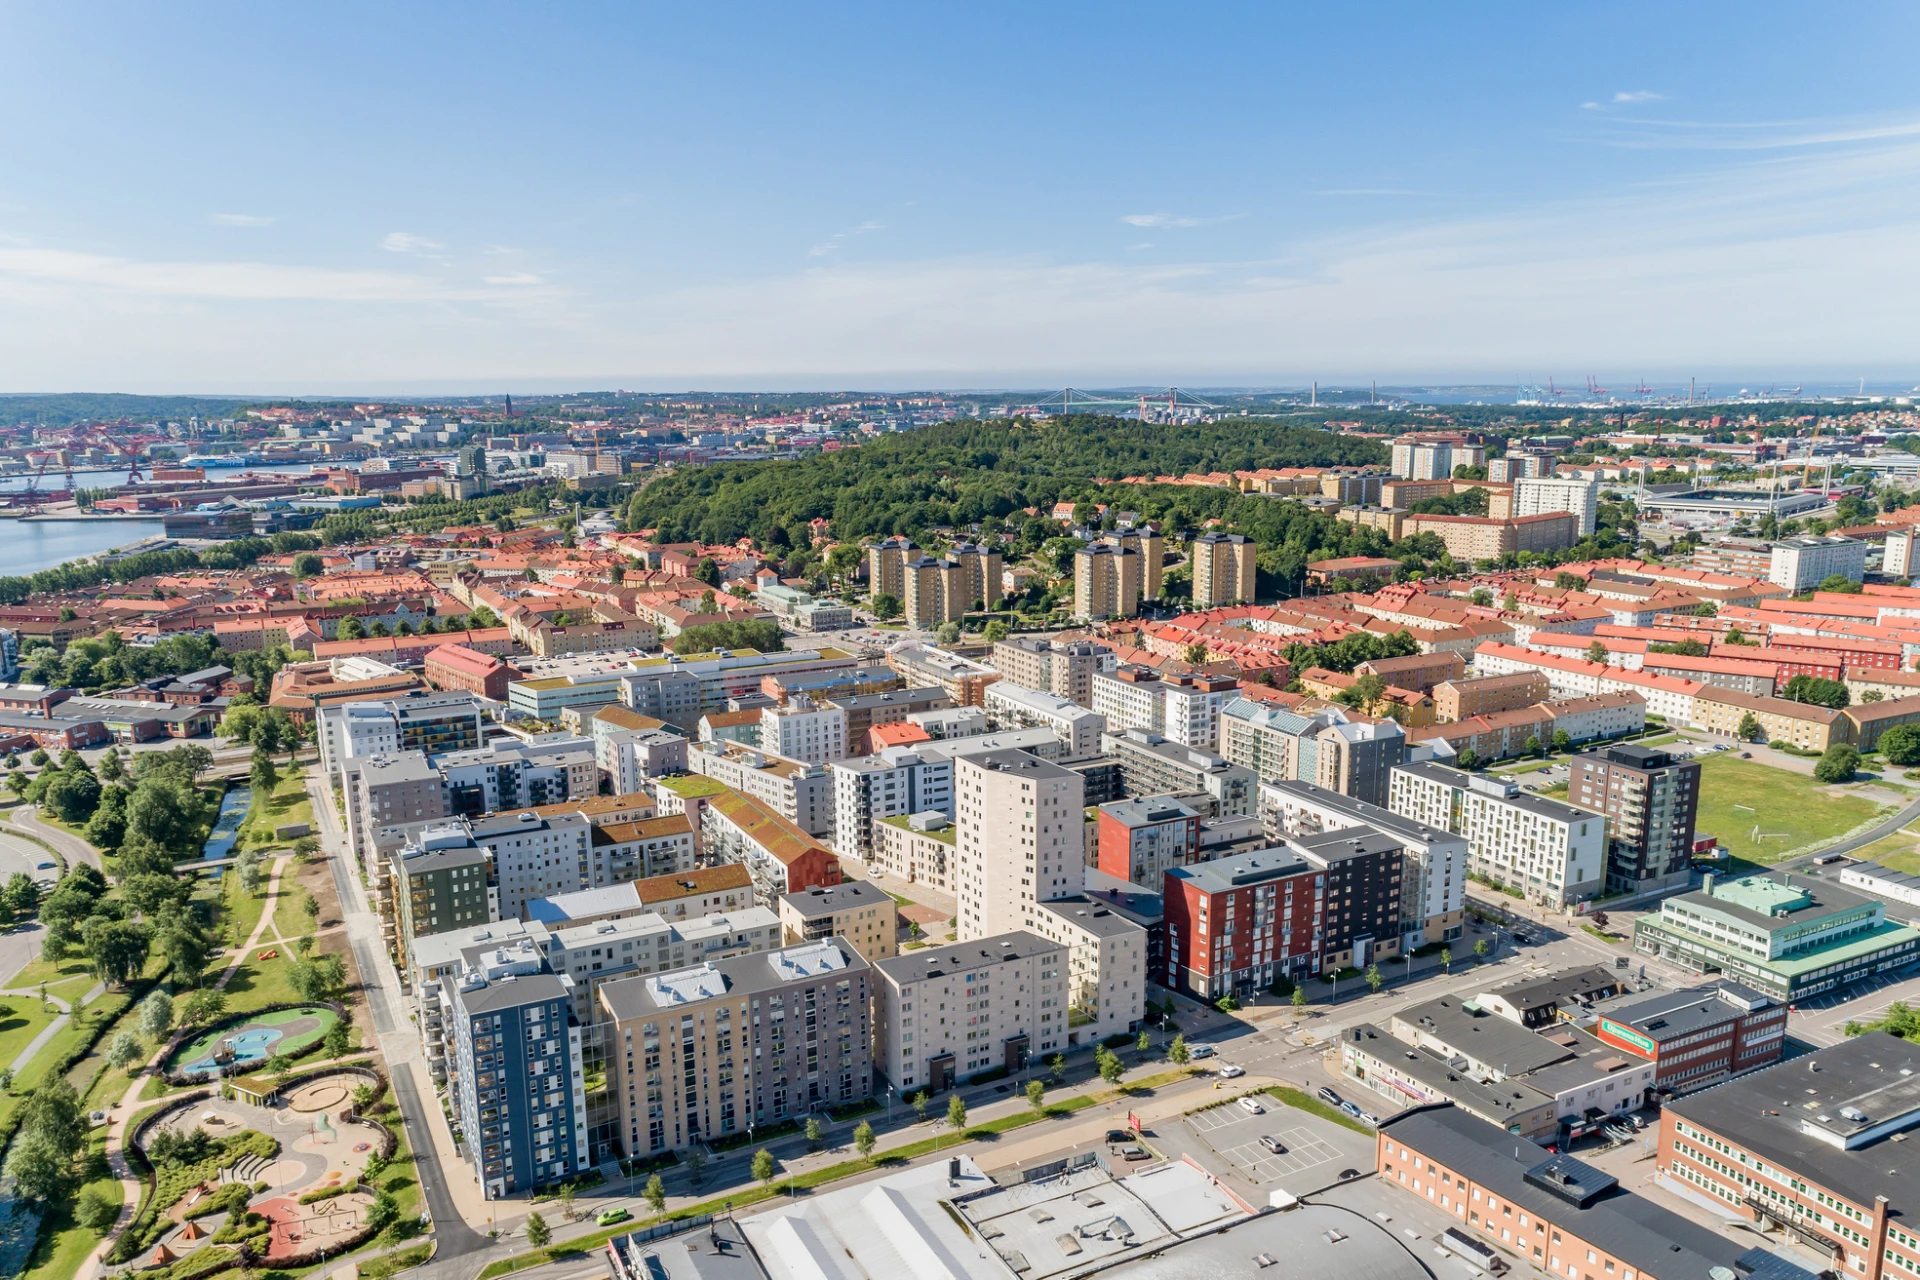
{"x":269,"y":203}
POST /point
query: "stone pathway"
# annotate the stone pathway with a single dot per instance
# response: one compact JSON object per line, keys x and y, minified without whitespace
{"x":130,"y":1185}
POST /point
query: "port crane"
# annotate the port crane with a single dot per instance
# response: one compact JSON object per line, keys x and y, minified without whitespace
{"x":1594,"y":388}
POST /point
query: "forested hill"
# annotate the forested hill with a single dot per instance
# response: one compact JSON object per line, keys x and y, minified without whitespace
{"x":965,"y":471}
{"x":99,"y":406}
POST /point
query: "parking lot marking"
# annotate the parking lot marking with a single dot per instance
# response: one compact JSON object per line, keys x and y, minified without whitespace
{"x":1303,"y":1151}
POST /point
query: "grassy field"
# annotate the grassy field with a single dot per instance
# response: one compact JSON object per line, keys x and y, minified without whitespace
{"x":1790,"y":809}
{"x":68,"y":979}
{"x":1899,"y":851}
{"x":24,"y":1018}
{"x":288,"y":804}
{"x":241,"y":909}
{"x":258,"y":982}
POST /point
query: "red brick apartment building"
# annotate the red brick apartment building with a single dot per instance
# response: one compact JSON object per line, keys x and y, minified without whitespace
{"x":1817,"y":1146}
{"x":1241,"y":922}
{"x":1514,"y":1200}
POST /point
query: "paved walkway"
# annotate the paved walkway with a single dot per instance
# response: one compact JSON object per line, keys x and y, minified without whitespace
{"x":123,"y":1111}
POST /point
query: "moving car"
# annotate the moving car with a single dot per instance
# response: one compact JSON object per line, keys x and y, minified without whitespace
{"x":1228,"y":1071}
{"x":612,"y":1216}
{"x":1252,"y":1107}
{"x":1201,"y":1051}
{"x":1273,"y":1144}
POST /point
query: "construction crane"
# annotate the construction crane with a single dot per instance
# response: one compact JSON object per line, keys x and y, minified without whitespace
{"x":31,"y":497}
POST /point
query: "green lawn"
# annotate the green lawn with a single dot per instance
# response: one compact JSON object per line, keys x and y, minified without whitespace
{"x":69,"y":979}
{"x":241,"y":909}
{"x":287,"y":804}
{"x":24,"y":1018}
{"x":1790,"y":809}
{"x":1899,"y":851}
{"x":257,"y":983}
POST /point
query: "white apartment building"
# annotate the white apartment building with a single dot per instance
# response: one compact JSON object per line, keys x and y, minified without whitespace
{"x":628,"y":758}
{"x":1019,"y":824}
{"x":1899,"y":560}
{"x":898,"y":780}
{"x":1190,"y":709}
{"x":1799,"y":564}
{"x":1552,"y":852}
{"x":1129,"y":698}
{"x":1106,"y":964}
{"x":1433,"y":890}
{"x":804,"y":730}
{"x":950,"y":1012}
{"x":918,"y":848}
{"x":801,"y":793}
{"x":510,"y":775}
{"x":536,"y":856}
{"x":1540,"y":496}
{"x":1422,"y":460}
{"x":1015,"y":706}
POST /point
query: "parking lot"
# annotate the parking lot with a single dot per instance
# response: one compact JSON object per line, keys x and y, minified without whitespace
{"x":1316,"y":1151}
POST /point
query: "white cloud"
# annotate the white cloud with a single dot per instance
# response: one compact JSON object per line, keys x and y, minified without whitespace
{"x":407,"y":242}
{"x":1175,"y":220}
{"x":517,"y":277}
{"x":1638,"y":95}
{"x":233,"y":281}
{"x":240,"y":220}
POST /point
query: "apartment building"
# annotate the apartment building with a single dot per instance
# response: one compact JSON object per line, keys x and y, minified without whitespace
{"x":681,"y":690}
{"x":456,"y":667}
{"x":1129,"y":697}
{"x":1433,"y":873}
{"x":920,"y":848}
{"x":1106,"y":964}
{"x":441,"y":883}
{"x":630,"y":758}
{"x":1152,"y":766}
{"x":704,"y":891}
{"x":891,"y":783}
{"x":963,"y":680}
{"x":799,"y":611}
{"x":865,"y":711}
{"x":779,"y":855}
{"x":754,"y":1040}
{"x":865,"y":916}
{"x":804,"y":730}
{"x":518,"y":1089}
{"x":1463,"y":699}
{"x":1538,"y":496}
{"x":1800,"y":564}
{"x":1650,"y":799}
{"x":1145,"y":542}
{"x":1475,"y":538}
{"x":515,"y":774}
{"x":1106,"y":582}
{"x":1015,"y":706}
{"x":1062,"y":668}
{"x":933,"y":591}
{"x":1237,"y":925}
{"x":1520,"y":464}
{"x":1553,"y":853}
{"x":536,"y":856}
{"x":1331,"y":748}
{"x":1190,"y":708}
{"x":429,"y":722}
{"x":1019,"y":841}
{"x":1365,"y":871}
{"x":801,"y":793}
{"x":886,"y":564}
{"x":978,"y":585}
{"x":383,"y":792}
{"x":947,"y":1013}
{"x":1223,"y":570}
{"x":1139,"y":841}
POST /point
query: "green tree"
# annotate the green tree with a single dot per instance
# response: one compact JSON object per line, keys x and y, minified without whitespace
{"x":763,"y":1167}
{"x":123,"y":1050}
{"x":1446,"y":959}
{"x":1901,"y":744}
{"x":919,"y":1101}
{"x":815,"y":1132}
{"x":696,"y":1165}
{"x":1466,"y":759}
{"x":156,"y":1016}
{"x":886,"y":606}
{"x":338,"y":1040}
{"x":655,"y":1194}
{"x":307,"y":565}
{"x":1108,"y":1064}
{"x":1143,"y":1042}
{"x":1749,"y":729}
{"x":203,"y":1006}
{"x":995,"y":631}
{"x":95,"y":1211}
{"x":1597,"y":652}
{"x":1816,"y":691}
{"x":1178,"y":1053}
{"x":350,"y":629}
{"x":1481,"y":948}
{"x":1375,"y":979}
{"x":1057,"y":1068}
{"x":1839,"y":763}
{"x":1037,"y":1094}
{"x":1299,"y":998}
{"x":262,"y":774}
{"x":71,"y":796}
{"x":539,"y":1234}
{"x":116,"y":949}
{"x":957,"y":1111}
{"x":1532,"y":745}
{"x":863,"y":1140}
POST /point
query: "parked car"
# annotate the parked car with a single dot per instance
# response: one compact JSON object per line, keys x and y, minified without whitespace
{"x":1329,"y":1097}
{"x":1368,"y":1118}
{"x":1228,"y":1071}
{"x":1273,"y":1144}
{"x":1350,"y":1109}
{"x":612,"y":1216}
{"x":1119,"y":1135}
{"x":1201,"y":1051}
{"x":1135,"y":1153}
{"x":1252,"y":1107}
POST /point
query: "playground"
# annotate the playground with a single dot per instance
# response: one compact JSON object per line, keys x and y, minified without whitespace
{"x":1761,"y":814}
{"x":250,"y":1043}
{"x":321,"y":1154}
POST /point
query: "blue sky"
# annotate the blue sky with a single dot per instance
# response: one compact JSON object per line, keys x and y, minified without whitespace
{"x":282,"y":199}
